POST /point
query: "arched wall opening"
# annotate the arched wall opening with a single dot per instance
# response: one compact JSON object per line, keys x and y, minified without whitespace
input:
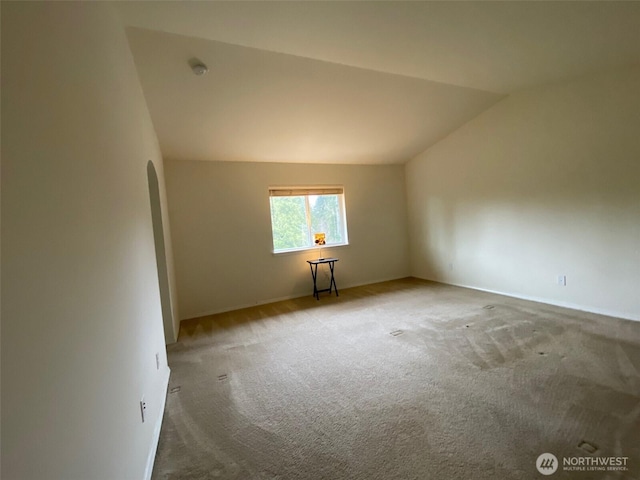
{"x":161,"y":257}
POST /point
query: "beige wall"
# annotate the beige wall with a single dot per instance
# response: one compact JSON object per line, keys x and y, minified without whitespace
{"x":221,"y":229}
{"x":545,"y":183}
{"x":81,"y":317}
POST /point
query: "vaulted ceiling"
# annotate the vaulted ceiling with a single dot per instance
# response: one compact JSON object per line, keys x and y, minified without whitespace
{"x":354,"y":82}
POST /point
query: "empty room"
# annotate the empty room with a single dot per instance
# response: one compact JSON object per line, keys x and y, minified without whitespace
{"x":320,"y":240}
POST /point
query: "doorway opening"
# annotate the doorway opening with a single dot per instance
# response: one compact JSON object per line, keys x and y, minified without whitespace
{"x":161,"y":257}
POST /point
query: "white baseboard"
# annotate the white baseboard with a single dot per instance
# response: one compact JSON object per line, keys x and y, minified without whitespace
{"x":573,"y":306}
{"x":156,"y":430}
{"x":280,"y":299}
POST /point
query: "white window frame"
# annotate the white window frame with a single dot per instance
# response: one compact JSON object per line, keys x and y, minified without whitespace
{"x":306,"y":191}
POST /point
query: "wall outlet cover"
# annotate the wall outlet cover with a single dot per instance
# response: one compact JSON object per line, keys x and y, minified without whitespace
{"x":143,"y":408}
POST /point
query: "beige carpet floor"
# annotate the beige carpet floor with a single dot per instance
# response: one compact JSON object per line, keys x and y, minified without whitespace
{"x":400,"y":380}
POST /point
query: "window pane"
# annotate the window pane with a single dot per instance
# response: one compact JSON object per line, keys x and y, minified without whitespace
{"x":299,"y":213}
{"x":325,"y":217}
{"x":289,"y":222}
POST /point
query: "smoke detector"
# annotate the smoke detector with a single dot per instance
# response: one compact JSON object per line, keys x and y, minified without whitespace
{"x":199,"y":69}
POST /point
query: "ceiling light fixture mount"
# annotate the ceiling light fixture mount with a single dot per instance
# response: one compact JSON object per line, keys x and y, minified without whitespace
{"x":199,"y":69}
{"x":197,"y":66}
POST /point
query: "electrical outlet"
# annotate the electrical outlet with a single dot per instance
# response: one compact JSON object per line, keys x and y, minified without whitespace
{"x":450,"y":267}
{"x":157,"y":361}
{"x":143,"y":408}
{"x":562,"y":280}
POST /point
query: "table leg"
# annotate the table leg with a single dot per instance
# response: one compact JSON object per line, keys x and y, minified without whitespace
{"x":333,"y":280}
{"x":314,"y":274}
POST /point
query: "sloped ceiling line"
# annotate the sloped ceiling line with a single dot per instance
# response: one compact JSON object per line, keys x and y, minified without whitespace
{"x":355,"y":82}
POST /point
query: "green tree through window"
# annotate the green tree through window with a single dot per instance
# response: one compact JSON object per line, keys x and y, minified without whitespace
{"x":289,"y":223}
{"x":325,"y":218}
{"x":298,"y":213}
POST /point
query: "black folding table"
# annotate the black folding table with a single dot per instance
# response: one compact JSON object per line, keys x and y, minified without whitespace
{"x":313,"y":264}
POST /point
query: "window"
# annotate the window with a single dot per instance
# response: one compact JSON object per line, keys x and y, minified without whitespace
{"x":298,"y":213}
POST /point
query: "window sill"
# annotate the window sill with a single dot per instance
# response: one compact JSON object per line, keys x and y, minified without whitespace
{"x":307,"y":250}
